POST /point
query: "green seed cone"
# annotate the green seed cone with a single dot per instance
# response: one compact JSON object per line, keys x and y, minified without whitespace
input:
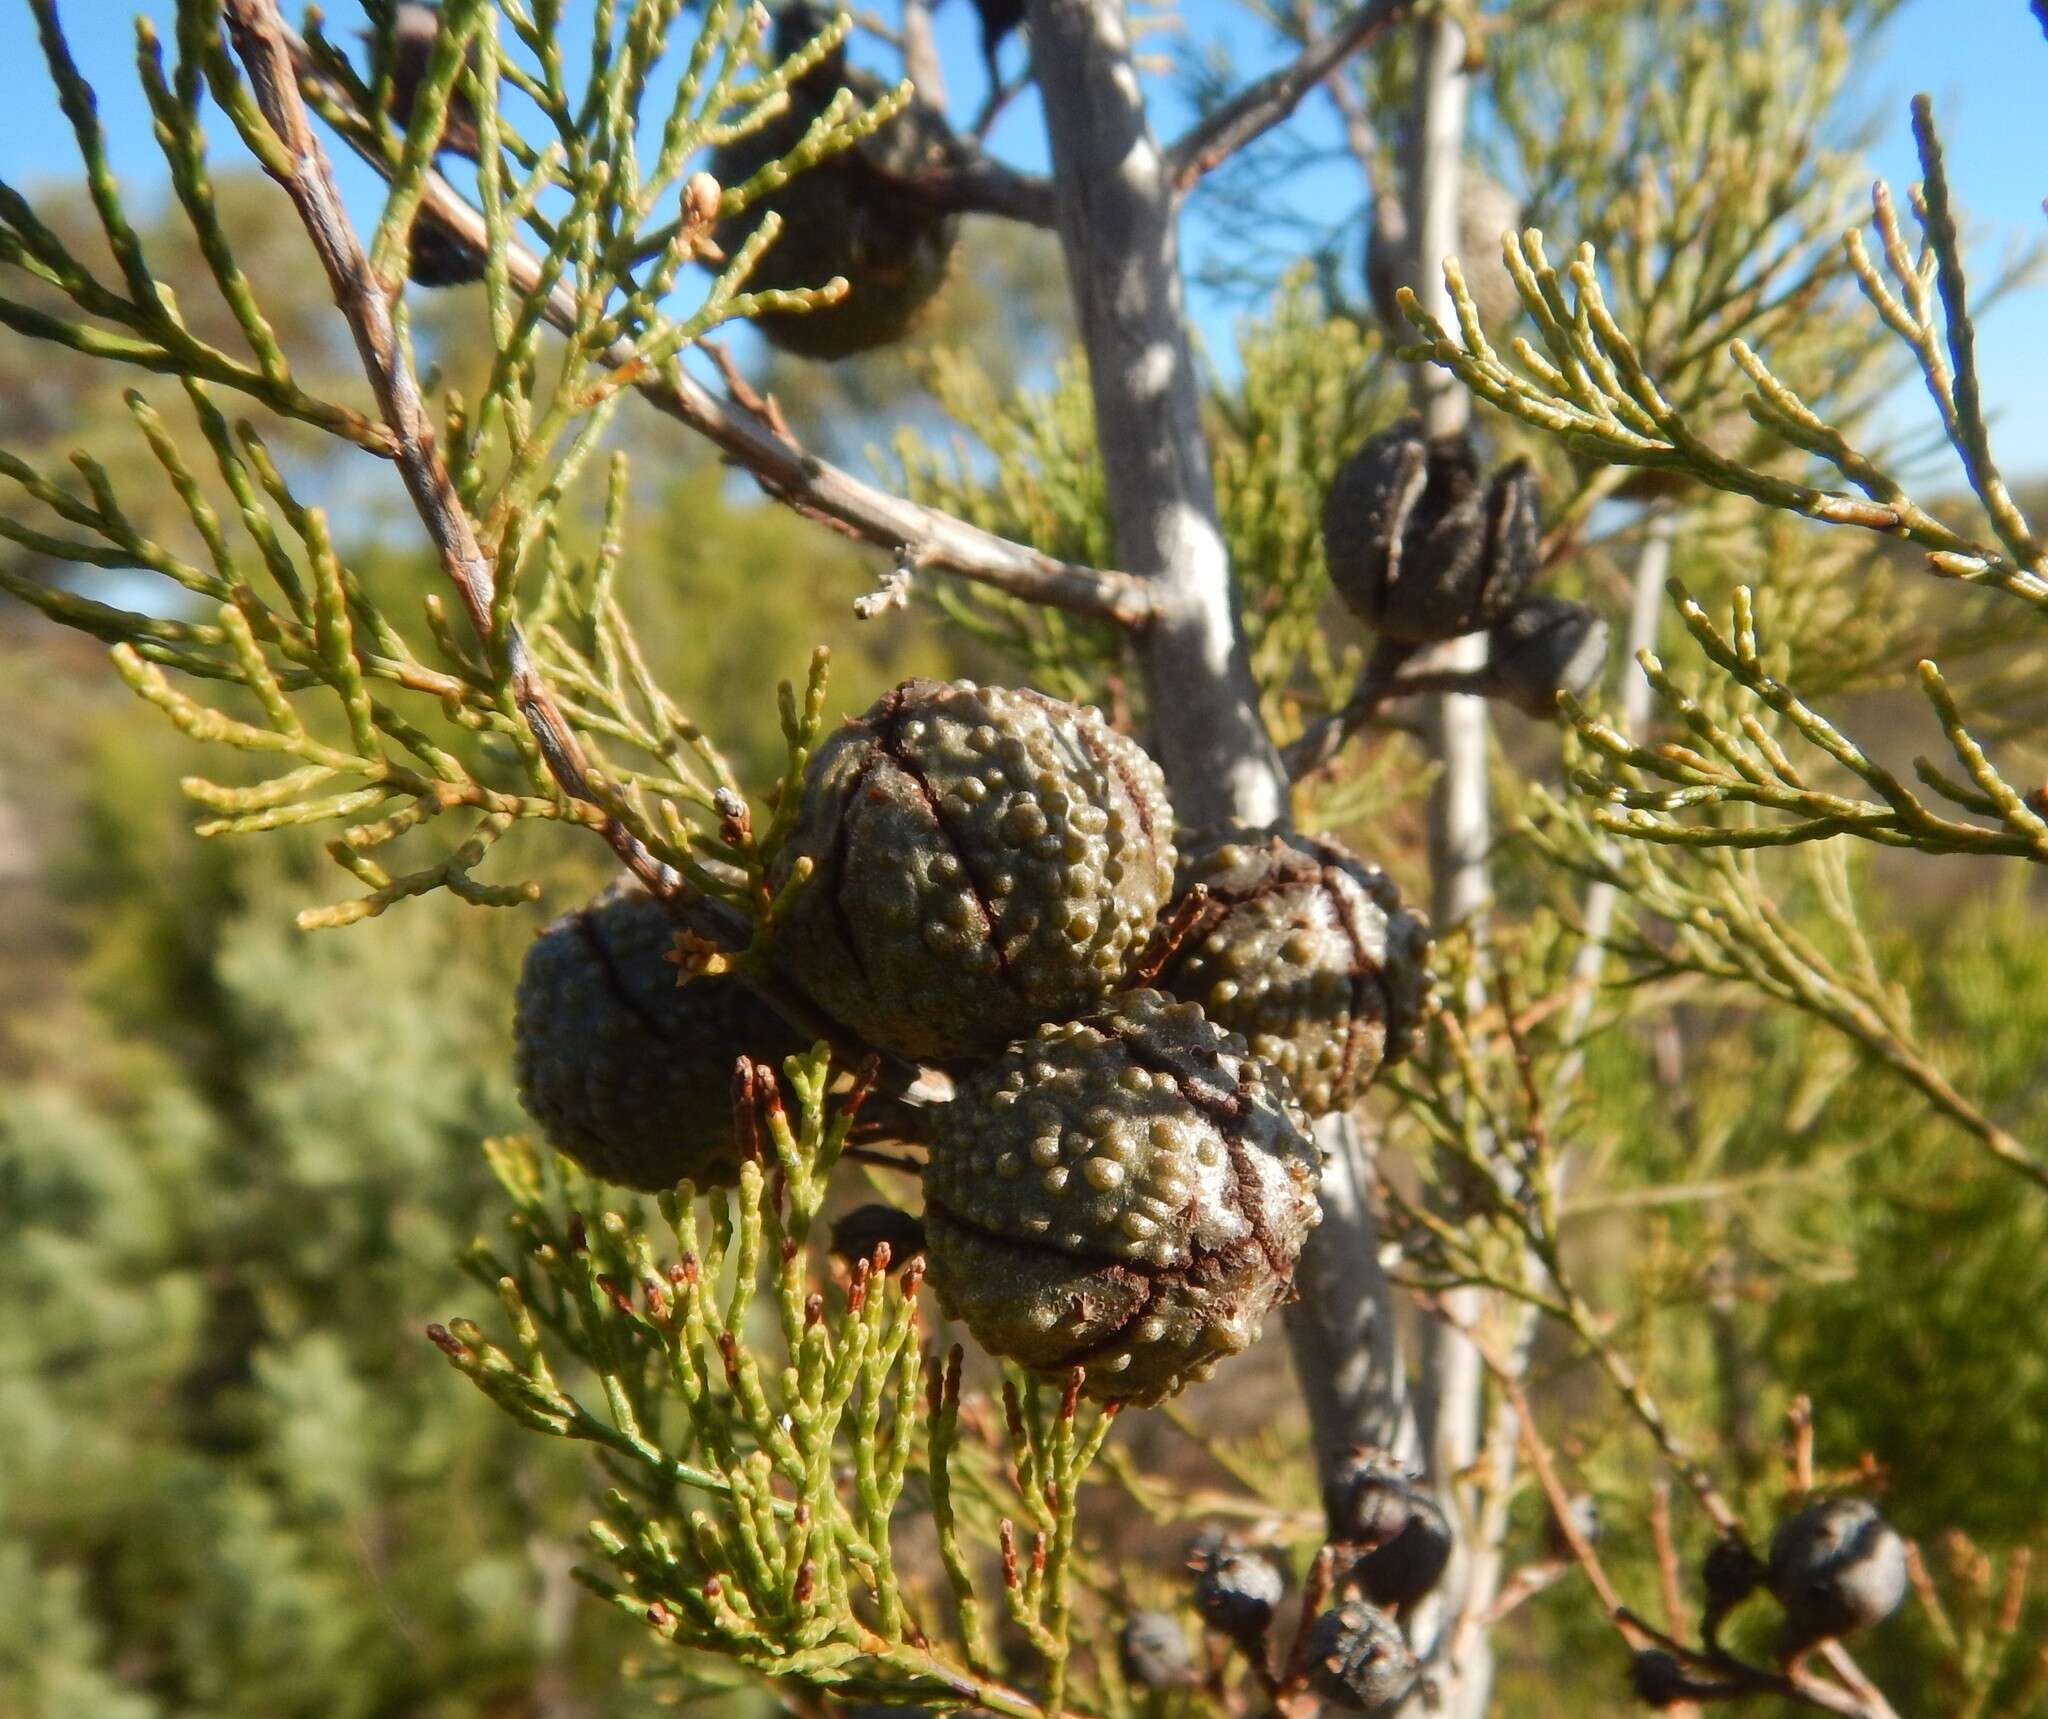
{"x":1307,"y":951}
{"x":1127,"y":1192}
{"x":626,"y":1071}
{"x":985,"y":860}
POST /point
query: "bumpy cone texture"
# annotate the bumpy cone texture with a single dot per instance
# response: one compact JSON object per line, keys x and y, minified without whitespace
{"x":1125,"y":1192}
{"x":1357,"y":1659}
{"x":1421,"y":544}
{"x":625,"y":1071}
{"x":986,"y":860}
{"x":1307,"y":951}
{"x":1836,"y":1566}
{"x":853,"y":214}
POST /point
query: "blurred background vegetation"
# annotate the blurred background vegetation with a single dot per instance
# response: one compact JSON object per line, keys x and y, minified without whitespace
{"x":238,"y":1163}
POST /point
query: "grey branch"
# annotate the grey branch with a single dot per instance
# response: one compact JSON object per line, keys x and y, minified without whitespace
{"x":1118,"y":210}
{"x":1376,"y":688}
{"x":923,"y":537}
{"x":981,"y":185}
{"x":1260,"y":106}
{"x":1118,"y":225}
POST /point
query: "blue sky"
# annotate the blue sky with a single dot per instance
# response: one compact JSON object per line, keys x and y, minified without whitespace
{"x":1984,"y":61}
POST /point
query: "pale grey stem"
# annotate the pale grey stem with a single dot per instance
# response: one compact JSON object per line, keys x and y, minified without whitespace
{"x":1653,"y":567}
{"x":1451,"y":1390}
{"x":921,"y":55}
{"x":1451,"y":1395}
{"x":1435,"y":152}
{"x":1119,"y":229}
{"x":1388,"y":220}
{"x":1488,"y":1549}
{"x":1346,"y":1349}
{"x":1117,"y":222}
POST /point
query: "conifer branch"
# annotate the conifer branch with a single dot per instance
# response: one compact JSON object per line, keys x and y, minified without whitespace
{"x":921,"y":537}
{"x":300,"y":166}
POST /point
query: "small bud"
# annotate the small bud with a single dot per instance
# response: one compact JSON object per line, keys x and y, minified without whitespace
{"x":1154,"y":1653}
{"x":1358,"y":1661}
{"x":1237,"y":1592}
{"x":701,"y":197}
{"x":1836,"y":1567}
{"x":1547,"y":646}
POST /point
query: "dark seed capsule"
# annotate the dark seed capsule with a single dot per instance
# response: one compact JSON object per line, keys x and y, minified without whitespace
{"x":1836,"y":1567}
{"x":865,"y":1228}
{"x":1125,"y":1192}
{"x":1307,"y":951}
{"x":983,"y":860}
{"x":1404,"y":1571}
{"x":1730,"y":1572}
{"x":1357,"y":1660}
{"x":1549,"y":645}
{"x":1657,"y":1679}
{"x":626,"y":1071}
{"x":1487,"y":209}
{"x":1237,"y":1591}
{"x":1421,"y":544}
{"x":857,"y":215}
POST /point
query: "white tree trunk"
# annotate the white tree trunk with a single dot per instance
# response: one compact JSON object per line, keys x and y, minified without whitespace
{"x":1118,"y":224}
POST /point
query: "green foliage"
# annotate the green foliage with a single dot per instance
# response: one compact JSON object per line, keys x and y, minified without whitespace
{"x":759,"y":1461}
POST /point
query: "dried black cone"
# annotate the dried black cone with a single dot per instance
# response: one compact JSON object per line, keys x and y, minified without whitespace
{"x":1421,"y":544}
{"x":1837,"y":1566}
{"x":1358,"y":1660}
{"x":858,"y":215}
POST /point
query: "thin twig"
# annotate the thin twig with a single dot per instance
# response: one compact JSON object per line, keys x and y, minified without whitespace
{"x":1319,"y":743}
{"x":1260,"y":106}
{"x":924,"y":536}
